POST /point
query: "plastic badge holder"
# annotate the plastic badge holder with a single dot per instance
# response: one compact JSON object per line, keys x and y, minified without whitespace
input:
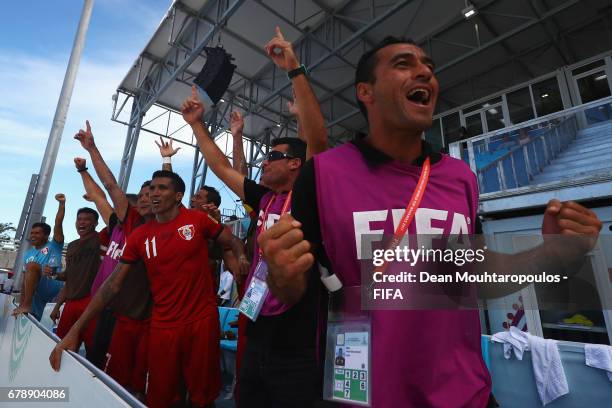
{"x":256,"y":293}
{"x":347,"y":375}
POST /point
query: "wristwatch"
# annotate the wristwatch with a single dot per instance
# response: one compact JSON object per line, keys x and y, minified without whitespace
{"x":301,"y":70}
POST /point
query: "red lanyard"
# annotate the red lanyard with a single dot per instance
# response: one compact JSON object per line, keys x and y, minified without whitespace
{"x":413,"y":205}
{"x":265,"y":216}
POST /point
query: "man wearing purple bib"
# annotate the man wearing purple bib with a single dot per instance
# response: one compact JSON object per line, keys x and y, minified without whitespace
{"x":279,"y":364}
{"x":419,"y":358}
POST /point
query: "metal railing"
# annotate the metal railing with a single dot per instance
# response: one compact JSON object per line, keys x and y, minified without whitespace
{"x":513,"y":157}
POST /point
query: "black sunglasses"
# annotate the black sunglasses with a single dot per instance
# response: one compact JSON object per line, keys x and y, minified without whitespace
{"x":274,"y":155}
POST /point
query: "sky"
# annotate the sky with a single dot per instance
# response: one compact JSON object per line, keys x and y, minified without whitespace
{"x":36,"y":38}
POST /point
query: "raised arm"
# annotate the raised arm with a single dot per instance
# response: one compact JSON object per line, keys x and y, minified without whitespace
{"x":166,"y":151}
{"x":93,"y":192}
{"x":293,"y":110}
{"x":310,"y":119}
{"x":192,"y":111}
{"x":103,"y":296}
{"x":58,"y":229}
{"x":106,"y":176}
{"x":237,"y":127}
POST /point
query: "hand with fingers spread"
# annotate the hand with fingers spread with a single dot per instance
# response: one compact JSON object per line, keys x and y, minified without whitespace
{"x":281,"y":52}
{"x":80,"y":163}
{"x":86,"y":137}
{"x":165,"y":148}
{"x":236,"y":124}
{"x":288,"y":257}
{"x":192,"y":108}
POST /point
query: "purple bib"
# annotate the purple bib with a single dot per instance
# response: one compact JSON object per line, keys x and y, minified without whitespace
{"x":272,"y":306}
{"x":111,"y":258}
{"x":419,"y":357}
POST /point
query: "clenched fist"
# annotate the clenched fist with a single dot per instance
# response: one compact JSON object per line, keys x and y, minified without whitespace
{"x":288,"y":257}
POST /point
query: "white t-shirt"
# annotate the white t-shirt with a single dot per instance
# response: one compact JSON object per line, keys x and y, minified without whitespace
{"x":226,"y":280}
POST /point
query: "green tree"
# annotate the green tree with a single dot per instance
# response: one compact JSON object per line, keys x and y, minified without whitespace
{"x":5,"y":228}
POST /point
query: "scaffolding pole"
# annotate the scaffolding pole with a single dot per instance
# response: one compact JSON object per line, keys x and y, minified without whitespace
{"x":55,"y":137}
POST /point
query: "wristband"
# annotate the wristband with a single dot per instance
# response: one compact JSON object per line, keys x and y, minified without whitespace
{"x":301,"y":70}
{"x":166,"y":160}
{"x":81,"y":170}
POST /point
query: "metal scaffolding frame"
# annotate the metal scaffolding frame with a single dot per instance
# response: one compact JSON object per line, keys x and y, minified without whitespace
{"x":329,"y":38}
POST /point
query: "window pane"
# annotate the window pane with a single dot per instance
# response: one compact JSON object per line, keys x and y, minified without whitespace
{"x":482,"y":105}
{"x":593,"y":87}
{"x":473,"y":123}
{"x":452,"y":128}
{"x":588,"y":67}
{"x":495,"y":118}
{"x":519,"y":105}
{"x":547,"y":97}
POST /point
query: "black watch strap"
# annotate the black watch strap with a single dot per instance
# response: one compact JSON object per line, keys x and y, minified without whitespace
{"x":301,"y":70}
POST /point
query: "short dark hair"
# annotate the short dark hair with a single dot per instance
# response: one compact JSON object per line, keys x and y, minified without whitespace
{"x":145,"y":184}
{"x":297,"y":147}
{"x":367,"y":64}
{"x":132,"y":198}
{"x":87,"y":210}
{"x":213,"y":195}
{"x":45,"y":227}
{"x":177,"y":181}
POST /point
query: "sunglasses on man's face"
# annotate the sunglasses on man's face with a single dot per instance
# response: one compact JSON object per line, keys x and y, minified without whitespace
{"x":275,"y":155}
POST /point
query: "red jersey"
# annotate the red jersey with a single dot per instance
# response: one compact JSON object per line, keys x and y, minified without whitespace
{"x":176,"y":257}
{"x":132,"y":220}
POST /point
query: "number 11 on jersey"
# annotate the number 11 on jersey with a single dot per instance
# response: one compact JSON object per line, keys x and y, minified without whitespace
{"x":153,"y":248}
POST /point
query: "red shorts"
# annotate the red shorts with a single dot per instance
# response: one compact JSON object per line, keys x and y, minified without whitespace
{"x":127,"y":357}
{"x":190,"y":352}
{"x":73,"y":309}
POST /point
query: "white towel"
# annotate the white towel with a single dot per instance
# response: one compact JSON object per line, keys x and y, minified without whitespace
{"x":599,"y":356}
{"x":545,"y":358}
{"x":512,"y":340}
{"x":547,"y":369}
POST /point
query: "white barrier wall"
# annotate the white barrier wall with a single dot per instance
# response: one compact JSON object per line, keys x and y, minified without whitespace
{"x":24,"y":362}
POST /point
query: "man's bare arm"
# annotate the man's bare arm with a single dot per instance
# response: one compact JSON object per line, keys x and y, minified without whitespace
{"x":192,"y":110}
{"x":93,"y":192}
{"x":58,"y":228}
{"x":570,"y":231}
{"x":310,"y":119}
{"x":237,"y":129}
{"x":227,"y":239}
{"x":61,"y":298}
{"x":109,"y":289}
{"x":105,"y":175}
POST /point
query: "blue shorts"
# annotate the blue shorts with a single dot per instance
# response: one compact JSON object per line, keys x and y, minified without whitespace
{"x":46,"y":291}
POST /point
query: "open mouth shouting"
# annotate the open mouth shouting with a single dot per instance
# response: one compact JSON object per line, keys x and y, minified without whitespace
{"x":420,"y":96}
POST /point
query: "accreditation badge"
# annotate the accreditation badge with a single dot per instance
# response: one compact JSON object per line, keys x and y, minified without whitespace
{"x":256,"y":293}
{"x":347,"y":373}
